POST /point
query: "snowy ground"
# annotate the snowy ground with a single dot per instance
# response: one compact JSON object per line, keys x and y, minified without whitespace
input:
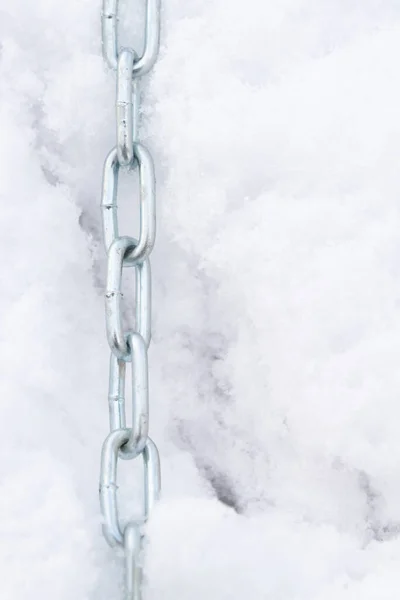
{"x":275,"y":385}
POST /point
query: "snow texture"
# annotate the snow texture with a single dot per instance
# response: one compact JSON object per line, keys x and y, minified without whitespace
{"x":275,"y":388}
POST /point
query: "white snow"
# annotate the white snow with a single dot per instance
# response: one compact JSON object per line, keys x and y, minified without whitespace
{"x":275,"y":128}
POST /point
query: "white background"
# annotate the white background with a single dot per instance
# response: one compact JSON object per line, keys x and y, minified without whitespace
{"x":275,"y":127}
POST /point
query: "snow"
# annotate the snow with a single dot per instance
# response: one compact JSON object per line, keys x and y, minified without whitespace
{"x":274,"y":383}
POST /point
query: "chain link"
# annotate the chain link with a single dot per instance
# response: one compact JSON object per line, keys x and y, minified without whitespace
{"x":127,"y":107}
{"x":140,"y":396}
{"x":133,"y":558}
{"x":113,"y":297}
{"x":112,"y":529}
{"x":128,"y":344}
{"x":147,"y":185}
{"x":109,"y":20}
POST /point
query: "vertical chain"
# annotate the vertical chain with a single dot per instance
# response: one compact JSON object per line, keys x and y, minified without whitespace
{"x":128,"y":345}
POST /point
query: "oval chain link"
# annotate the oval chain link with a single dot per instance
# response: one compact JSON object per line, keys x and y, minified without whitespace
{"x":140,"y":396}
{"x":109,"y":21}
{"x":147,"y":203}
{"x":113,"y":297}
{"x":113,"y":529}
{"x":128,"y":345}
{"x":133,"y":567}
{"x":127,"y":112}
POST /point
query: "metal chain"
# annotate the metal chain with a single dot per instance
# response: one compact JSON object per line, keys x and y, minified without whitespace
{"x":122,"y":251}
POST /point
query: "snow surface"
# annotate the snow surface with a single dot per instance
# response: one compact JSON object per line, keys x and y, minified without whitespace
{"x":275,"y":388}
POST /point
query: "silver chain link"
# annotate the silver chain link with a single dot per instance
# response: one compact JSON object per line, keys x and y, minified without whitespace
{"x":128,"y":345}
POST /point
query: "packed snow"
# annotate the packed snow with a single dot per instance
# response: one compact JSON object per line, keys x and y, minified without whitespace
{"x":275,"y":389}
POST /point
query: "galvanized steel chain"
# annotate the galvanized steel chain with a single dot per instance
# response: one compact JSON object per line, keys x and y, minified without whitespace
{"x":128,"y":345}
